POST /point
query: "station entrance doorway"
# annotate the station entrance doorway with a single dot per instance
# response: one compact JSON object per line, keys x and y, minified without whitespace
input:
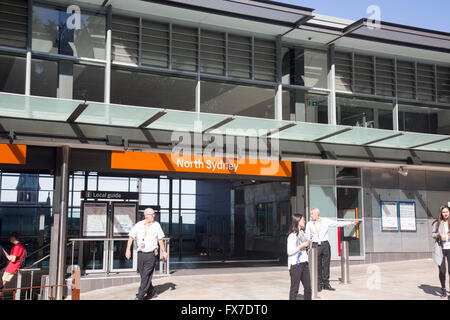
{"x":209,"y":221}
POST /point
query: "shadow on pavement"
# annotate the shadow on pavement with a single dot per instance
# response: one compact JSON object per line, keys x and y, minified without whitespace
{"x":433,"y":290}
{"x":164,"y":287}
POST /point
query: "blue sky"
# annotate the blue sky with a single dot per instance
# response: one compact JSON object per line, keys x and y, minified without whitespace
{"x":429,"y":14}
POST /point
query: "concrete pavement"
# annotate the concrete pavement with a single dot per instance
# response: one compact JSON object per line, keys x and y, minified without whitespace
{"x":400,"y":280}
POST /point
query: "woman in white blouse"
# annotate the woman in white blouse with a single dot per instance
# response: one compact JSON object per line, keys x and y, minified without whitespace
{"x":297,"y":246}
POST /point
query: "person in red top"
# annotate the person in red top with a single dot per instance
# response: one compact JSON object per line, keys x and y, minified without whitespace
{"x":15,"y":258}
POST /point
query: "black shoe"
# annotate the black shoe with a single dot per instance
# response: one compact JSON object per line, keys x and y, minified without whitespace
{"x":151,"y":295}
{"x":444,"y":293}
{"x":138,"y":298}
{"x":328,"y":287}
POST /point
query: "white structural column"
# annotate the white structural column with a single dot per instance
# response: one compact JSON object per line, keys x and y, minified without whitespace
{"x":331,"y":85}
{"x":28,"y":54}
{"x":108,"y":55}
{"x":395,"y":119}
{"x":279,"y":75}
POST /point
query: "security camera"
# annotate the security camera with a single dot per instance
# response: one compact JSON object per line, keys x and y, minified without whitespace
{"x":403,"y":171}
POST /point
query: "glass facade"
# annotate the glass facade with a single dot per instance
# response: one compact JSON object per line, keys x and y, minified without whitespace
{"x":12,"y":74}
{"x":150,"y":90}
{"x":57,"y":31}
{"x":418,"y":118}
{"x":234,"y":99}
{"x":369,"y":113}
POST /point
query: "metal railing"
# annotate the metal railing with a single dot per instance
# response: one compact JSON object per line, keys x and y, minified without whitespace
{"x":164,"y":265}
{"x":16,"y":291}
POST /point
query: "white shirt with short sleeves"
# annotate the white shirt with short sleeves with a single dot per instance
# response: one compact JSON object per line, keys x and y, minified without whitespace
{"x":149,"y":238}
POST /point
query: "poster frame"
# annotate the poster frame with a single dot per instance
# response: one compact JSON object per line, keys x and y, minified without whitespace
{"x":381,"y":216}
{"x":82,"y":219}
{"x":400,"y":217}
{"x":122,"y":234}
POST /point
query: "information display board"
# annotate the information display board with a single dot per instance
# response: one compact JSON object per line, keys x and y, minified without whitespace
{"x":124,"y":217}
{"x":94,"y":219}
{"x":407,"y":213}
{"x":389,"y":215}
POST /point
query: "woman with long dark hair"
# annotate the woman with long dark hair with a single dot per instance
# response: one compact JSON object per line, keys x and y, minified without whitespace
{"x":442,"y":246}
{"x":297,"y":246}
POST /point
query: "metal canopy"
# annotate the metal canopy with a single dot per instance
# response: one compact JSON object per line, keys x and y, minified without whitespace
{"x":398,"y":34}
{"x":77,"y":112}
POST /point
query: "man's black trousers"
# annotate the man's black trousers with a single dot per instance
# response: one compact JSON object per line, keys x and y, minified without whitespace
{"x":145,"y":267}
{"x":324,"y":257}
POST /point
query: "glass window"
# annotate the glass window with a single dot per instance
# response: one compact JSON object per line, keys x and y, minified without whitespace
{"x":149,"y":199}
{"x":88,"y":82}
{"x":305,"y":67}
{"x":306,"y":107}
{"x":142,"y":89}
{"x":237,"y":100}
{"x":264,"y":219}
{"x":188,"y":186}
{"x":364,"y":113}
{"x":424,"y":119}
{"x":56,"y":31}
{"x":322,"y":175}
{"x":12,"y":74}
{"x":188,"y":201}
{"x":44,"y":78}
{"x":149,"y":185}
{"x":348,"y":176}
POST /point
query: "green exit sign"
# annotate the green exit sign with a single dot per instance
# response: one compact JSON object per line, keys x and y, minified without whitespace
{"x":313,"y":103}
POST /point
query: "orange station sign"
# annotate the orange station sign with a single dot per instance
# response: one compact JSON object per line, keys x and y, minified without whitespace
{"x":198,"y":164}
{"x":13,"y":153}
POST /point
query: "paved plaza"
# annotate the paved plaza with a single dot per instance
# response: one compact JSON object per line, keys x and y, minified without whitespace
{"x":400,"y":280}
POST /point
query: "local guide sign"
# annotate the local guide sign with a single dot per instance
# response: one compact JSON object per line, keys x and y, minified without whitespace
{"x":199,"y":164}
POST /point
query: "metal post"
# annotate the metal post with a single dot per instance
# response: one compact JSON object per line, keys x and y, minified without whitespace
{"x":314,"y":272}
{"x":18,"y":285}
{"x":76,"y":281}
{"x":344,"y":262}
{"x":224,"y":227}
{"x":168,"y":257}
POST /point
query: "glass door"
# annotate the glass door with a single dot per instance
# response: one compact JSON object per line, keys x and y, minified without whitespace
{"x":117,"y":260}
{"x":323,"y":198}
{"x":94,"y":256}
{"x":349,"y":207}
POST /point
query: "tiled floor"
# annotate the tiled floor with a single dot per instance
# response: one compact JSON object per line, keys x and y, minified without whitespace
{"x":416,"y":279}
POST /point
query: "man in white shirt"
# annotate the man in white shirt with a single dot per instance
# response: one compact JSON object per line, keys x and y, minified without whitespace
{"x":317,"y":230}
{"x":147,"y":234}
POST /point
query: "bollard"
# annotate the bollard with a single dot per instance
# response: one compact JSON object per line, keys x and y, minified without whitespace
{"x":76,"y":279}
{"x":314,"y":272}
{"x":345,"y":249}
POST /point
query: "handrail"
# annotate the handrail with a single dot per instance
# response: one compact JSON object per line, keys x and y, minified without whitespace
{"x":34,"y":252}
{"x":46,"y":257}
{"x":34,"y":287}
{"x":39,"y":261}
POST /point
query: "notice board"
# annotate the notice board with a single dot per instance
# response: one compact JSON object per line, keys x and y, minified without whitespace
{"x":389,"y":215}
{"x":407,"y":214}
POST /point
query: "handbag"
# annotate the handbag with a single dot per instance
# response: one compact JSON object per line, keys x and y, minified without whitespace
{"x":437,"y":254}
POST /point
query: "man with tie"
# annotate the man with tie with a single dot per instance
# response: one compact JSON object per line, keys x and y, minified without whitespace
{"x":317,"y":230}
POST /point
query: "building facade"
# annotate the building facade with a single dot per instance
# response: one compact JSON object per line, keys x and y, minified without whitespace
{"x":97,"y":95}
